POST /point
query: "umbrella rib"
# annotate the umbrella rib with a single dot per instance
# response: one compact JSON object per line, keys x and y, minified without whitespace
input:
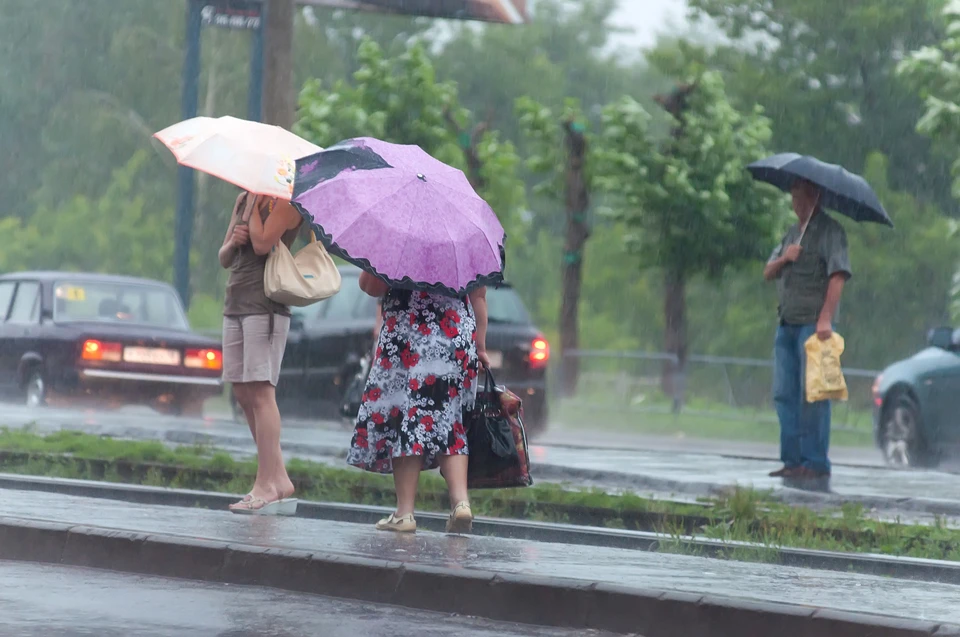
{"x":450,"y":237}
{"x":475,"y":224}
{"x":371,"y":205}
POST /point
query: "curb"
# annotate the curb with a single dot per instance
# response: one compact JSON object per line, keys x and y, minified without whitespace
{"x":869,"y":564}
{"x":514,"y":598}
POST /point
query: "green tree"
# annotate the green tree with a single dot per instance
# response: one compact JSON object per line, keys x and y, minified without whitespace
{"x":934,"y":72}
{"x":400,"y":100}
{"x":560,"y":147}
{"x":691,"y":204}
{"x":121,"y":232}
{"x":825,"y":72}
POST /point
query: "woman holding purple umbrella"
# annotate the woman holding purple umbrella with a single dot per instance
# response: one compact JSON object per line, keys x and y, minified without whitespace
{"x":428,"y":246}
{"x":422,"y":381}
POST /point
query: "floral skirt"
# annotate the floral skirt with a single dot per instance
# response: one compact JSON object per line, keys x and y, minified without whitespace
{"x":423,"y":379}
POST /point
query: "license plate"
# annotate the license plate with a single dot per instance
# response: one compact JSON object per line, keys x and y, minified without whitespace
{"x":496,"y":359}
{"x":151,"y":356}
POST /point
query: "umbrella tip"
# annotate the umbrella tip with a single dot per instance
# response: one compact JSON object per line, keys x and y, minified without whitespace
{"x":421,"y":177}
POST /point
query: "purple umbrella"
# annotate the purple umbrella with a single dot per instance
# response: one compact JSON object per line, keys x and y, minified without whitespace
{"x":401,"y":215}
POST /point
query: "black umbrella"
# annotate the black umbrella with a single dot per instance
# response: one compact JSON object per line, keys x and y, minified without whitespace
{"x":843,"y":191}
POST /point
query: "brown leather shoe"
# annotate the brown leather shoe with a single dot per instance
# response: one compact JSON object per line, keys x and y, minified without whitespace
{"x":810,"y":474}
{"x":785,"y":472}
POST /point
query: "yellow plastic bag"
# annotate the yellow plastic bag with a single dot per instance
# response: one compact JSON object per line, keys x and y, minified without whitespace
{"x":824,"y":375}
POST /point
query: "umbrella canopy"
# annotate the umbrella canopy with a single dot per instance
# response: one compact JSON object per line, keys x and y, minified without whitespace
{"x":401,"y":215}
{"x":500,"y":11}
{"x":256,"y":157}
{"x":843,"y":191}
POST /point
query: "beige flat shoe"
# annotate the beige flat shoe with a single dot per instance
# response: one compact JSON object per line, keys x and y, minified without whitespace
{"x":461,"y":519}
{"x":406,"y":524}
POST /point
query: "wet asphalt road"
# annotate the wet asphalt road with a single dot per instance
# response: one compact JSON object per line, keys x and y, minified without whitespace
{"x":652,"y":571}
{"x":656,"y":466}
{"x":53,"y":601}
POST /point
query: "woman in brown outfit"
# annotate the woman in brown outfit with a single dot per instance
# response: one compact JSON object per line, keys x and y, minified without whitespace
{"x":254,"y":337}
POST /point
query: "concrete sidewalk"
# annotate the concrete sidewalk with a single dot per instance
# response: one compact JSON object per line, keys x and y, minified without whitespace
{"x":547,"y":584}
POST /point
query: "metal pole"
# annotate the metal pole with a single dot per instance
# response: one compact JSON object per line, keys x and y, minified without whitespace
{"x":255,"y":99}
{"x":183,"y":225}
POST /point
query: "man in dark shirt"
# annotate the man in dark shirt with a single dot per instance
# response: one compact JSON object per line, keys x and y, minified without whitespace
{"x":811,"y":266}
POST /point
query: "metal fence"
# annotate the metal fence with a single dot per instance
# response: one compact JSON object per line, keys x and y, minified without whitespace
{"x":712,"y":386}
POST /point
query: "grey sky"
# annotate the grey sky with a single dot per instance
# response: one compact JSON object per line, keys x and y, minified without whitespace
{"x":650,"y":17}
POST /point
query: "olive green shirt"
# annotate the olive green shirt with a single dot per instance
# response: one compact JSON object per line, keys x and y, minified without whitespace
{"x":802,"y":285}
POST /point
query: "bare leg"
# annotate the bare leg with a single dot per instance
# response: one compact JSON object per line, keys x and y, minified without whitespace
{"x":454,"y":469}
{"x":242,"y":393}
{"x":272,"y":481}
{"x":406,"y":476}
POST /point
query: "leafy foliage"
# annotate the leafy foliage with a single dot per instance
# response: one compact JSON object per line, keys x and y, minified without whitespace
{"x":118,"y":233}
{"x":825,"y":73}
{"x":690,"y":202}
{"x":400,"y":100}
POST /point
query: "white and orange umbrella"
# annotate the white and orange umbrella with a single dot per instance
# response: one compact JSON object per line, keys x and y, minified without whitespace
{"x":257,"y":157}
{"x":501,"y":11}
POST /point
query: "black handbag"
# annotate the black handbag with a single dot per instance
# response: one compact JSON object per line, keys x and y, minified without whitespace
{"x":494,"y":460}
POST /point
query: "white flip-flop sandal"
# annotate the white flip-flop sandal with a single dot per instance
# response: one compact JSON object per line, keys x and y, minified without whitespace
{"x":258,"y":506}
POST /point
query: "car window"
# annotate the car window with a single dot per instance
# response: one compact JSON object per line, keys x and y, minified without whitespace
{"x":26,"y":304}
{"x":6,"y":295}
{"x":309,"y":313}
{"x":504,"y":306}
{"x":123,"y":302}
{"x":341,"y":306}
{"x":366,"y":307}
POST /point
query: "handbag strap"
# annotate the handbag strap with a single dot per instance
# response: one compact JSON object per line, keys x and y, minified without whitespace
{"x":490,"y":384}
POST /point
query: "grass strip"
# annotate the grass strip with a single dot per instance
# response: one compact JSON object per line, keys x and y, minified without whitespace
{"x":742,"y":515}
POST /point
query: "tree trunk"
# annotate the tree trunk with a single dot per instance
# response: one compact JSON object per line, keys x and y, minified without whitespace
{"x":577,"y":202}
{"x":673,"y":380}
{"x":673,"y":377}
{"x":279,"y":96}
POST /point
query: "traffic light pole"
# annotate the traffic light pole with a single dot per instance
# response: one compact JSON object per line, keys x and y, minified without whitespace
{"x":186,"y":184}
{"x":213,"y":13}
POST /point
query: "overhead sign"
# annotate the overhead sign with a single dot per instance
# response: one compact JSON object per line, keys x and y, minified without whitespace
{"x":503,"y":11}
{"x":232,"y":14}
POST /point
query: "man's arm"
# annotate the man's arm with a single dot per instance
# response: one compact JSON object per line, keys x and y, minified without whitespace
{"x":834,"y":291}
{"x":776,"y":263}
{"x":838,"y":269}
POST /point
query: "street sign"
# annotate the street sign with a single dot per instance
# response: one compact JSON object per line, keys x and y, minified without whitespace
{"x":503,"y":11}
{"x":232,"y":14}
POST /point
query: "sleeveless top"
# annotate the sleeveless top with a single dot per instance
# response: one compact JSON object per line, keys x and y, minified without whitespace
{"x":245,"y":292}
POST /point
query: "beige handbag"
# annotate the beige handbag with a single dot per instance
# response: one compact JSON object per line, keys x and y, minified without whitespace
{"x":300,"y":280}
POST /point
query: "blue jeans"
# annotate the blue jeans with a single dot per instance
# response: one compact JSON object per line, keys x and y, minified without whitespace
{"x":804,"y":427}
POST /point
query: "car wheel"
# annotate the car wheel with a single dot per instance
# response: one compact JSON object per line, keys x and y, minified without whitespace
{"x":902,"y":442}
{"x":35,"y":389}
{"x":188,"y":408}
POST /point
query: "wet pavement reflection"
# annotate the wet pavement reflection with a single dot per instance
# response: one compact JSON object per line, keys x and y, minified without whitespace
{"x":852,"y":592}
{"x":47,"y":601}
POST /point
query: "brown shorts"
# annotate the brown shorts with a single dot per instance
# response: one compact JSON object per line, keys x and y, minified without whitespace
{"x":250,"y":355}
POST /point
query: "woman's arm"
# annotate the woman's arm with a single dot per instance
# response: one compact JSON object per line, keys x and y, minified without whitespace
{"x":372,"y":285}
{"x":236,"y":236}
{"x":264,"y":235}
{"x":478,"y":299}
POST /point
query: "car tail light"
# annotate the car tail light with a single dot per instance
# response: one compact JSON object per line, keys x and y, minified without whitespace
{"x":93,"y":350}
{"x":203,"y":359}
{"x":877,"y":398}
{"x":539,"y":353}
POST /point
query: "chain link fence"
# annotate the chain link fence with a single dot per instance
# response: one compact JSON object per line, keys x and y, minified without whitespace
{"x":712,"y":387}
